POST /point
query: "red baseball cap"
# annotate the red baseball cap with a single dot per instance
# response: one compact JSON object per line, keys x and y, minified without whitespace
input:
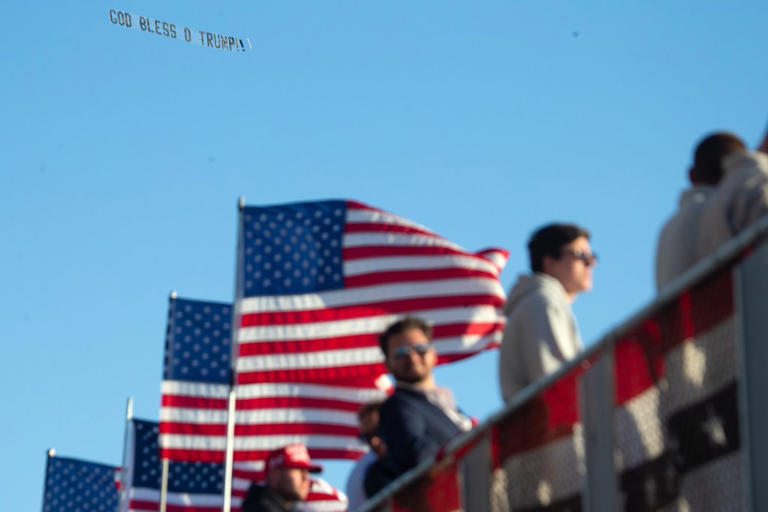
{"x":292,"y":456}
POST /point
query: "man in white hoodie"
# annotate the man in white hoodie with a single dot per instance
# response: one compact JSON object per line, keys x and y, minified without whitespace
{"x":741,"y":197}
{"x":541,"y":332}
{"x":676,"y":251}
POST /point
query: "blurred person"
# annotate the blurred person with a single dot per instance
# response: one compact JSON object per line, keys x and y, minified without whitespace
{"x":541,"y":332}
{"x":286,"y":483}
{"x":741,"y":197}
{"x":368,"y":418}
{"x":677,"y":245}
{"x":418,"y":419}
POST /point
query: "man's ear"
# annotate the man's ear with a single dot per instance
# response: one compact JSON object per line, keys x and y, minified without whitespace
{"x":546,"y":264}
{"x":386,"y":363}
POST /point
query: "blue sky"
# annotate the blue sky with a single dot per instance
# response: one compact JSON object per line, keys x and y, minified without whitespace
{"x":125,"y":152}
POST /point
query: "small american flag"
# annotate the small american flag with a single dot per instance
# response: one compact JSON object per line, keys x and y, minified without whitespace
{"x":79,"y":486}
{"x":195,"y":486}
{"x":193,"y":413}
{"x":196,"y":376}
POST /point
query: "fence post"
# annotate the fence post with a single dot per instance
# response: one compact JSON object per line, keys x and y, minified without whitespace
{"x":476,"y":476}
{"x":751,"y":293}
{"x":597,"y":397}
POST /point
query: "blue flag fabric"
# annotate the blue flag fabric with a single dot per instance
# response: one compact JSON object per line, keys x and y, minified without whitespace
{"x":73,"y":485}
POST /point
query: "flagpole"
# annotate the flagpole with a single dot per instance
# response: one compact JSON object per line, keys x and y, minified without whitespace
{"x":230,"y":445}
{"x":164,"y":486}
{"x":49,"y":453}
{"x":124,"y":466}
{"x":165,"y":461}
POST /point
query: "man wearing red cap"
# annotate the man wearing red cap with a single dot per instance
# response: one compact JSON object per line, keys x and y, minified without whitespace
{"x":287,"y":481}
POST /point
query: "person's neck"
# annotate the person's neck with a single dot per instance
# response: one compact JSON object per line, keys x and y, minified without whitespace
{"x":427,"y":384}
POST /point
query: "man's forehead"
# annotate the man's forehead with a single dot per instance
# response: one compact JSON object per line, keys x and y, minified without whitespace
{"x":412,"y":335}
{"x":578,"y":243}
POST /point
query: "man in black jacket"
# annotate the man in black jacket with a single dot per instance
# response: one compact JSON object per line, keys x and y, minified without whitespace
{"x":287,"y":481}
{"x":419,"y":417}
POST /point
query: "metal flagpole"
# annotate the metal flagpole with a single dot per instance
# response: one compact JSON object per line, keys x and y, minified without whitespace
{"x":230,"y":446}
{"x":164,"y":486}
{"x":127,"y":449}
{"x":50,"y":453}
{"x":165,"y":461}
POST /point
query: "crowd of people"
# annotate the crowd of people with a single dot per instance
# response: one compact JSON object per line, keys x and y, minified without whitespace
{"x":729,"y":191}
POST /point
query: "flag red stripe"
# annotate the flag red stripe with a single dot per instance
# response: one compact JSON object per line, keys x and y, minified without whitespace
{"x":302,"y":346}
{"x":207,"y":429}
{"x":311,"y":375}
{"x":377,"y":227}
{"x":368,"y":309}
{"x":357,"y":205}
{"x":405,"y":276}
{"x":171,"y":507}
{"x":191,"y":455}
{"x":193,"y":402}
{"x":275,"y":402}
{"x":297,"y":428}
{"x":378,"y":251}
{"x":270,"y":402}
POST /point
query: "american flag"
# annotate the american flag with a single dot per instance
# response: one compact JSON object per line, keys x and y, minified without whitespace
{"x":193,"y":414}
{"x":79,"y":485}
{"x":195,"y":486}
{"x":196,"y":378}
{"x":318,"y":281}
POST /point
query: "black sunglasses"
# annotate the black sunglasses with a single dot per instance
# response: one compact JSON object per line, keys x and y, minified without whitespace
{"x":405,"y":350}
{"x":588,"y":258}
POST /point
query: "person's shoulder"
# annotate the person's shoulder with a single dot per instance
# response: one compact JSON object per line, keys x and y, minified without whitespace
{"x":548,"y":294}
{"x":398,"y":397}
{"x":255,"y":498}
{"x":400,"y":401}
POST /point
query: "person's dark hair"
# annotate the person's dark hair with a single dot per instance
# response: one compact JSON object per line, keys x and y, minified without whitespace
{"x":402,"y":325}
{"x":549,"y":241}
{"x":367,"y":409}
{"x":707,"y":158}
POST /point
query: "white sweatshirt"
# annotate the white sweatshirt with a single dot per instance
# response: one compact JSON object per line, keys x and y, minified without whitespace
{"x":541,"y":332}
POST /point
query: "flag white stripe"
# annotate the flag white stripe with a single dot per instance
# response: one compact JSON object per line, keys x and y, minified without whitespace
{"x":364,"y":325}
{"x":498,"y":258}
{"x":176,"y":498}
{"x":371,"y":294}
{"x":396,"y":239}
{"x":262,"y":442}
{"x":322,"y":506}
{"x":443,"y":261}
{"x":252,"y":466}
{"x":261,"y":416}
{"x":380,"y":217}
{"x":457,"y":345}
{"x":321,"y":359}
{"x":197,"y":389}
{"x":361,"y":395}
{"x":201,"y":389}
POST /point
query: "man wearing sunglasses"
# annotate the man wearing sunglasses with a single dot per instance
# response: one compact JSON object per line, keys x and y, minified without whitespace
{"x":541,"y":332}
{"x":419,"y":417}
